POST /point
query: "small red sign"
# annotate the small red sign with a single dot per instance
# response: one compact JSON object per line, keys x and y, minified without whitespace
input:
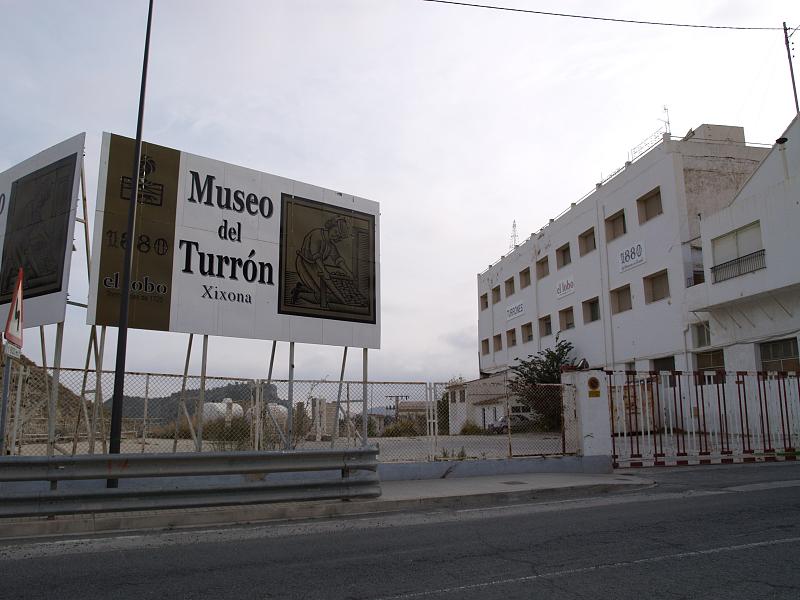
{"x":13,"y":332}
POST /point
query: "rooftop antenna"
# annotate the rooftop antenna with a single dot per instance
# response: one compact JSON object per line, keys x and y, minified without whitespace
{"x":665,"y":121}
{"x":514,"y":237}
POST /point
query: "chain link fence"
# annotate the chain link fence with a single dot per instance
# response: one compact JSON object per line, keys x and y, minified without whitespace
{"x":410,"y":421}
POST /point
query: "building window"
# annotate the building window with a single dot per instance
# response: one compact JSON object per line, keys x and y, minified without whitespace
{"x":509,"y":287}
{"x":496,"y":294}
{"x":484,"y":301}
{"x":695,"y":273}
{"x":542,"y":268}
{"x":563,"y":257}
{"x":511,"y":338}
{"x":615,"y":225}
{"x":664,"y":364}
{"x":649,"y":206}
{"x":524,"y":278}
{"x":702,"y":335}
{"x":621,"y":299}
{"x":656,"y":287}
{"x":451,"y":396}
{"x":462,"y":395}
{"x":498,"y":342}
{"x":566,"y":319}
{"x":713,"y":360}
{"x":586,"y":241}
{"x":780,"y":355}
{"x":591,"y":310}
{"x":738,"y":252}
{"x":630,"y":366}
{"x":485,"y":347}
{"x":545,"y":326}
{"x":527,"y":332}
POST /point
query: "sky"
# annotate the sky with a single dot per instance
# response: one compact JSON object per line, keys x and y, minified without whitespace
{"x":457,"y":120}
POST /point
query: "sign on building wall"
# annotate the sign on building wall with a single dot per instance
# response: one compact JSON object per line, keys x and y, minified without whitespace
{"x":512,"y":312}
{"x":631,"y":256}
{"x":38,"y":202}
{"x":224,"y":250}
{"x":565,"y":287}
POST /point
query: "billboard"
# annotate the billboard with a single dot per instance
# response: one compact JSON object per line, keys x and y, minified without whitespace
{"x":38,"y":204}
{"x":224,"y":250}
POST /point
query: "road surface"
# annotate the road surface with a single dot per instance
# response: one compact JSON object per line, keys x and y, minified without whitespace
{"x":704,"y":532}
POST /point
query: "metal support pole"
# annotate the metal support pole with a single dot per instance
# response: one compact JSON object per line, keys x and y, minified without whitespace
{"x":4,"y":407}
{"x":201,"y":398}
{"x":335,"y":431}
{"x":265,"y":401}
{"x":365,"y":413}
{"x":791,"y":66}
{"x":144,"y":415}
{"x":182,"y":402}
{"x":97,"y":405}
{"x":43,"y":347}
{"x":51,"y":413}
{"x":23,"y":372}
{"x":122,"y":334}
{"x":290,"y":411}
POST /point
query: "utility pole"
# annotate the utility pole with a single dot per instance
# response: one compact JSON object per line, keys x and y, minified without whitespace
{"x":786,"y":36}
{"x":122,"y":333}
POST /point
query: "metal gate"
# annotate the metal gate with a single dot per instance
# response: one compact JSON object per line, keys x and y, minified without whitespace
{"x":683,"y":418}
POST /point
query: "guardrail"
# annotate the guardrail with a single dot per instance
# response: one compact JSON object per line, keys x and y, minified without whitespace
{"x":21,"y":469}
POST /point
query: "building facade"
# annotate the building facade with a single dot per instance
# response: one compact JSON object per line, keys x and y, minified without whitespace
{"x":616,"y":273}
{"x":749,"y":306}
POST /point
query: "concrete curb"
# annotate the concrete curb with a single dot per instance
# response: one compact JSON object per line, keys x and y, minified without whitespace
{"x":167,"y":520}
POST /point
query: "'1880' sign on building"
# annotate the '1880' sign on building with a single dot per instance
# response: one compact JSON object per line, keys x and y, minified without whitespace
{"x":224,"y":250}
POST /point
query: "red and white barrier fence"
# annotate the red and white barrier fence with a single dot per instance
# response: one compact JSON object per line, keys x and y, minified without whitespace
{"x":682,"y":418}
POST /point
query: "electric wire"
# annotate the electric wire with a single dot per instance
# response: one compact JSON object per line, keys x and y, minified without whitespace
{"x":595,"y":18}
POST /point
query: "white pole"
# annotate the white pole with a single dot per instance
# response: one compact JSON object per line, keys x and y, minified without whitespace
{"x":51,"y":413}
{"x":201,"y":398}
{"x":335,"y":430}
{"x":290,"y":411}
{"x":365,"y":414}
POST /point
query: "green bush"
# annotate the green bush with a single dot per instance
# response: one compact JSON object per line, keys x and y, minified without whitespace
{"x":471,"y":428}
{"x":402,"y":428}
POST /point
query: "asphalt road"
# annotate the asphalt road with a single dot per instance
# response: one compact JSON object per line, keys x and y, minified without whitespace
{"x":704,"y":532}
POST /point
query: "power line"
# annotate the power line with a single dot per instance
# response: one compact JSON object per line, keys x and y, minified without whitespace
{"x":592,"y":18}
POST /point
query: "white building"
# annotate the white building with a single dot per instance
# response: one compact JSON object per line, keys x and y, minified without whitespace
{"x":616,"y":273}
{"x":750,"y":304}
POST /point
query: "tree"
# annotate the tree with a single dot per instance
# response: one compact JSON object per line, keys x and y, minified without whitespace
{"x":543,"y":367}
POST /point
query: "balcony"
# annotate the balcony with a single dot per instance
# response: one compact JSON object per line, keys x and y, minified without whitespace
{"x":739,"y":266}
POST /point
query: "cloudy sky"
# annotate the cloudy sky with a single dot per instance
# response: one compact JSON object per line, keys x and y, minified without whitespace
{"x":457,"y":120}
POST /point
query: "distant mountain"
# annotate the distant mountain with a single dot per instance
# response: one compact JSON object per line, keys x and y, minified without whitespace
{"x":166,"y":407}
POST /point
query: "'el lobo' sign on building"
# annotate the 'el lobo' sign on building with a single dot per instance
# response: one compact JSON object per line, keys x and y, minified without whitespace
{"x":224,"y":250}
{"x":565,"y":287}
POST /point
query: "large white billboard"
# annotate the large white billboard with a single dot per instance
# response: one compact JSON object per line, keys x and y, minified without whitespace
{"x":224,"y":250}
{"x":38,"y":204}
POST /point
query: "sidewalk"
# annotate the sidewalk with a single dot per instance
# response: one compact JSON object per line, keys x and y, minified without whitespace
{"x":428,"y":494}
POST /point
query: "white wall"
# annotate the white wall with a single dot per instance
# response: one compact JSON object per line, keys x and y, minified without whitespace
{"x":647,"y":331}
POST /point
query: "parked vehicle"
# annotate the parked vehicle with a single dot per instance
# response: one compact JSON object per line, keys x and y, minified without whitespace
{"x":518,"y":422}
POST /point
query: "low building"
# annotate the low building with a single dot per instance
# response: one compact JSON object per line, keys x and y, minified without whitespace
{"x":613,"y":274}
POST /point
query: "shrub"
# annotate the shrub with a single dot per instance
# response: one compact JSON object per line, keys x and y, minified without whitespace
{"x":471,"y":428}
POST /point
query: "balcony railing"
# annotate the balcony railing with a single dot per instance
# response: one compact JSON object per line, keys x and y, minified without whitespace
{"x":739,"y":266}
